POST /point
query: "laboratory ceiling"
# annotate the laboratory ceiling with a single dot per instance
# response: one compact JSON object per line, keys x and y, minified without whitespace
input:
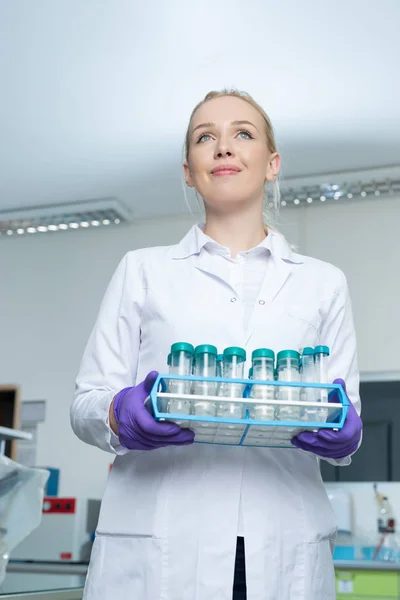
{"x":96,"y":95}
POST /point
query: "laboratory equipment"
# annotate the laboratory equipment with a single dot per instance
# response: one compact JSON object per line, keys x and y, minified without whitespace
{"x":288,"y":367}
{"x":164,"y":403}
{"x":7,"y":434}
{"x":53,"y":481}
{"x":216,"y":402}
{"x":205,"y":365}
{"x":32,"y":414}
{"x":233,"y":368}
{"x":181,"y":364}
{"x":341,"y":502}
{"x":238,"y":428}
{"x":321,"y":354}
{"x":387,"y":548}
{"x":21,"y":493}
{"x":220,"y":361}
{"x":64,"y":533}
{"x":310,"y":413}
{"x":263,"y":360}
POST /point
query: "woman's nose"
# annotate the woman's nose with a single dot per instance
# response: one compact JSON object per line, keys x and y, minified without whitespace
{"x":223,"y":153}
{"x":223,"y":148}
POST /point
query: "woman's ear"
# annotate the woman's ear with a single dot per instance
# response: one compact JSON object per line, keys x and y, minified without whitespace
{"x":274,"y":164}
{"x":188,"y":175}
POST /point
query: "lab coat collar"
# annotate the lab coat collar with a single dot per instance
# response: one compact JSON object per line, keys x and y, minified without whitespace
{"x":196,"y":239}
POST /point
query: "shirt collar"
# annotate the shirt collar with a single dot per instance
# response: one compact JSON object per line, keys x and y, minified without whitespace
{"x":196,"y":239}
{"x":214,"y":247}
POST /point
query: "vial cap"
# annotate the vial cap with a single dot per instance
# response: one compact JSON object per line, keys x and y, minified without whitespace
{"x":235,"y":351}
{"x":322,"y":350}
{"x":284,"y":354}
{"x":263,"y":353}
{"x":220,"y":357}
{"x":169,"y":359}
{"x":206,"y":349}
{"x":307,"y":351}
{"x":182,"y":347}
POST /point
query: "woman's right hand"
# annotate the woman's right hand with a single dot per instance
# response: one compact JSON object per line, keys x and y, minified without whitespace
{"x":137,"y":429}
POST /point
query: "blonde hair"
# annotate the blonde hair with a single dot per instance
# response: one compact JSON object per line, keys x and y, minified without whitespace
{"x":269,"y":131}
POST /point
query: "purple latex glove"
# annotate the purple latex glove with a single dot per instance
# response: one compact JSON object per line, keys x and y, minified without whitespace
{"x":138,"y":430}
{"x":333,"y":444}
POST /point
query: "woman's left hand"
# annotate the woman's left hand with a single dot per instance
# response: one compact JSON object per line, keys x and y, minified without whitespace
{"x":333,"y":444}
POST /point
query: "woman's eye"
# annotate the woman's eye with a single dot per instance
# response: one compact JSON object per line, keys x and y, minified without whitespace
{"x":201,"y":138}
{"x":247,"y":135}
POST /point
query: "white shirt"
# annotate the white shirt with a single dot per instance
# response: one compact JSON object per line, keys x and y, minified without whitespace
{"x":245,"y":274}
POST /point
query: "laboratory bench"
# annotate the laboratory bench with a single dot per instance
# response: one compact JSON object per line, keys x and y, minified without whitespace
{"x":46,"y":594}
{"x":43,"y":581}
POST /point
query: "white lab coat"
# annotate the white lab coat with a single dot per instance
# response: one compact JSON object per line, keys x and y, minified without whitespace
{"x":169,"y":517}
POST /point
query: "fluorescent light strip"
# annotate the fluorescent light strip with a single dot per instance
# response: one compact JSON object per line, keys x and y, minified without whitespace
{"x":81,"y":215}
{"x":306,"y":195}
{"x":20,"y":227}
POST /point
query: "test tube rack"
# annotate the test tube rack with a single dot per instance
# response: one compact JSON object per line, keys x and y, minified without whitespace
{"x":247,"y":431}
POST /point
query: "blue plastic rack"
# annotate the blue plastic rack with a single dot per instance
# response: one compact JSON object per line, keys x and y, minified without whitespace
{"x":247,"y":431}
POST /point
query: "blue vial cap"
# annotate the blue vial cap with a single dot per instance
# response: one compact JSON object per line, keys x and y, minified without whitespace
{"x":235,"y":351}
{"x":284,"y":354}
{"x":307,"y":351}
{"x":322,"y":350}
{"x":206,"y":349}
{"x":182,"y":347}
{"x":263,"y":353}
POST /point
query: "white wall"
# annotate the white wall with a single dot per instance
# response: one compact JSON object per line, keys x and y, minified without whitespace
{"x":364,"y":506}
{"x":52,"y":285}
{"x":363,"y":239}
{"x":51,"y":289}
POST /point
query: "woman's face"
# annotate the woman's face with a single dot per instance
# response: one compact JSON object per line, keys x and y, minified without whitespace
{"x":229,"y":160}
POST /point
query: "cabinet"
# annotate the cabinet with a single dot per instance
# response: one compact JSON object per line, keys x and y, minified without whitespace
{"x":367,"y":585}
{"x":376,"y":459}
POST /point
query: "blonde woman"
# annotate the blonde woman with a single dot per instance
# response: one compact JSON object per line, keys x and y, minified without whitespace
{"x":184,"y":521}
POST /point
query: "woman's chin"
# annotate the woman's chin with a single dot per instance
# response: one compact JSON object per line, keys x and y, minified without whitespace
{"x":227,"y":202}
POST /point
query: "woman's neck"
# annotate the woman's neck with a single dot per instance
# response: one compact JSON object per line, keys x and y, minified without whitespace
{"x":238,"y":232}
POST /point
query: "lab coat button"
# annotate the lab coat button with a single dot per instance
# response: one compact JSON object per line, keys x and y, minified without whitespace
{"x":261,"y":302}
{"x":233,"y":299}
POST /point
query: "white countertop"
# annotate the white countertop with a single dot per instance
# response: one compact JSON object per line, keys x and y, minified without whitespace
{"x":366,"y":565}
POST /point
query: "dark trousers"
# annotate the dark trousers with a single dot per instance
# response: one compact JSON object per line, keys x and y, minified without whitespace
{"x":239,"y":582}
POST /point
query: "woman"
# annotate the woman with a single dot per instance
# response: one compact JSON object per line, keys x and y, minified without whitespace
{"x":175,"y":512}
